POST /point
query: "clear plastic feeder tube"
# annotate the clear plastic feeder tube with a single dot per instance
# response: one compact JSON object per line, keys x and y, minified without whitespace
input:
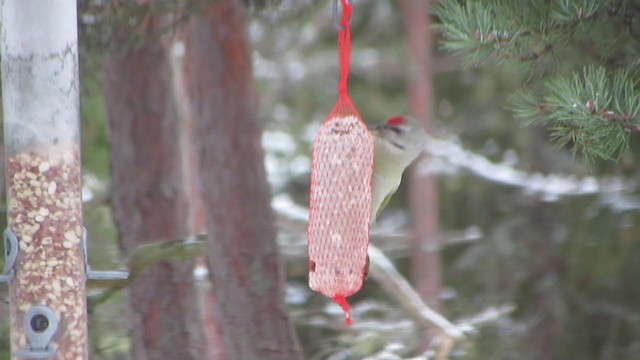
{"x":41,"y":130}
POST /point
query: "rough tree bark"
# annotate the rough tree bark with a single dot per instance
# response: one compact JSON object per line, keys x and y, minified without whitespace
{"x":150,"y":196}
{"x":423,"y":201}
{"x":244,"y":267}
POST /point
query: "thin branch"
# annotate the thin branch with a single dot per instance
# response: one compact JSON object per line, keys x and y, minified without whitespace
{"x":381,"y":269}
{"x":486,"y":316}
{"x":536,"y":55}
{"x":620,"y":120}
{"x":448,"y":156}
{"x":385,"y":273}
{"x":143,"y":257}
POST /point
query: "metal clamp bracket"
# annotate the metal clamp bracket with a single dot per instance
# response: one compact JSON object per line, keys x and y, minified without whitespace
{"x":40,"y":325}
{"x":11,"y":250}
{"x":98,"y":275}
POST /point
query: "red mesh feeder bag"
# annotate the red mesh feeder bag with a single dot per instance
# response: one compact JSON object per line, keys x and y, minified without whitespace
{"x":340,"y":193}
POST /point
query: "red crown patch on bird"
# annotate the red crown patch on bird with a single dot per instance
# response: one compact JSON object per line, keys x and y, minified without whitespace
{"x":396,"y":120}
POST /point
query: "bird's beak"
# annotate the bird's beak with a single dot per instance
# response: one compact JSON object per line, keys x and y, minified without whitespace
{"x":377,"y":127}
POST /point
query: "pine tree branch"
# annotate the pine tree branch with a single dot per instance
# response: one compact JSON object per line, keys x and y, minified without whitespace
{"x":496,"y":33}
{"x":504,"y":32}
{"x":593,"y":112}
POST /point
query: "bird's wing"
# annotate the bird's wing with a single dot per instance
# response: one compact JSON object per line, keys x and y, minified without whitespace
{"x":384,"y":203}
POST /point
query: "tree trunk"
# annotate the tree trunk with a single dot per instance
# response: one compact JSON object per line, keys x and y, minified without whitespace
{"x":151,"y":197}
{"x":423,"y":199}
{"x":198,"y":213}
{"x":244,"y":267}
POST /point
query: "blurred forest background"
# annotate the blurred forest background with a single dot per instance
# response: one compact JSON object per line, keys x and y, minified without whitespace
{"x":535,"y":247}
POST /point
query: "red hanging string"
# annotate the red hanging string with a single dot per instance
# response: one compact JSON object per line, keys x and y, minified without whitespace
{"x":344,"y":46}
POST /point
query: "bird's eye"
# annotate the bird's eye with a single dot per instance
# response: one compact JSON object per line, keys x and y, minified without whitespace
{"x":397,"y":130}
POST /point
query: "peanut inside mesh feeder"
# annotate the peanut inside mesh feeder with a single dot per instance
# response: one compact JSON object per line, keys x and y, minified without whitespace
{"x":340,"y":193}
